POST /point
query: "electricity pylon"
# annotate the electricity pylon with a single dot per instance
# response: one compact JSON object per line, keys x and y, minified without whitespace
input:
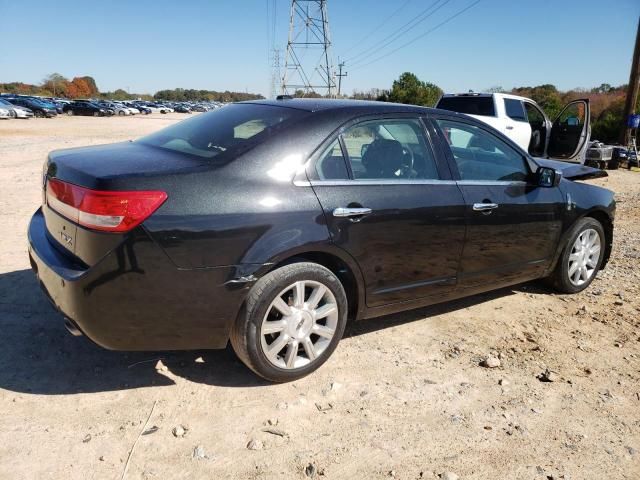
{"x":308,"y":62}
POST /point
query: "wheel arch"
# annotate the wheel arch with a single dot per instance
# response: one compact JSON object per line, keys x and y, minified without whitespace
{"x":340,"y":264}
{"x":607,"y":225}
{"x":604,"y":218}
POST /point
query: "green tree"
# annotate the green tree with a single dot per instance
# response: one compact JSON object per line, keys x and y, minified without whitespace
{"x":410,"y":89}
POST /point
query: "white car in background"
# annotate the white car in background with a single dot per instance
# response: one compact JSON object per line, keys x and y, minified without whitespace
{"x":14,"y":111}
{"x":5,"y":113}
{"x":525,"y":123}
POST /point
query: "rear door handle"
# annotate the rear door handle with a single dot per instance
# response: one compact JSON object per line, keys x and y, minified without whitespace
{"x":343,"y":212}
{"x":484,"y":207}
{"x":509,"y":127}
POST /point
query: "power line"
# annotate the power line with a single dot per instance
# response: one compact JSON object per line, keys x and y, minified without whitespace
{"x":415,"y":39}
{"x":404,"y":29}
{"x":377,"y":29}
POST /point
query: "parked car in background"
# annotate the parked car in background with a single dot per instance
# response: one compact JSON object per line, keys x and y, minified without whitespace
{"x":141,"y":108}
{"x":523,"y":121}
{"x":16,"y":111}
{"x":83,"y":107}
{"x":38,"y":108}
{"x":116,"y":108}
{"x":356,"y":209}
{"x":6,"y":113}
{"x":181,"y":109}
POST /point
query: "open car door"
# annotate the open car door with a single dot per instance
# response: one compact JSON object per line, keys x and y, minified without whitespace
{"x":570,"y":132}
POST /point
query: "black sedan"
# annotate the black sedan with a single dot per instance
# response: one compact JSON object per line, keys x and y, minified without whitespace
{"x":86,"y":108}
{"x":270,"y":223}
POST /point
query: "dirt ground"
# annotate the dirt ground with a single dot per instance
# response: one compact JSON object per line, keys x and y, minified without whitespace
{"x":402,"y":397}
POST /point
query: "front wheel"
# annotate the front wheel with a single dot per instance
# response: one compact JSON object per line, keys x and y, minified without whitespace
{"x":292,"y":321}
{"x":581,"y":257}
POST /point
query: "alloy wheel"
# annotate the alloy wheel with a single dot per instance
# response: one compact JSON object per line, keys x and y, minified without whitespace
{"x":584,"y":257}
{"x":299,"y":324}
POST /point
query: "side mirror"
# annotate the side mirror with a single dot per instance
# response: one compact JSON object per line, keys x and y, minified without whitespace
{"x":548,"y":177}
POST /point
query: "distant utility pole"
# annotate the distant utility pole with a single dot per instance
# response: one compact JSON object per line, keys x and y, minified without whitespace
{"x":309,"y":34}
{"x":634,"y":85}
{"x":275,"y":72}
{"x":340,"y":75}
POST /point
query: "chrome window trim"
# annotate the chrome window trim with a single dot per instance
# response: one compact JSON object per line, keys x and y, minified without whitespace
{"x":492,"y":182}
{"x":344,"y":183}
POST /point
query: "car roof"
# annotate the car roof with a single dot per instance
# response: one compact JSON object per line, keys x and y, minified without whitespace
{"x":326,"y":104}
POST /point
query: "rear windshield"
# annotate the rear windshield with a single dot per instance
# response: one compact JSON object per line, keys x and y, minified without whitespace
{"x":469,"y":105}
{"x":230,"y":130}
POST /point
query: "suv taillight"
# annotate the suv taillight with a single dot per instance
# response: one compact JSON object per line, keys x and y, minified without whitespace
{"x":109,"y":211}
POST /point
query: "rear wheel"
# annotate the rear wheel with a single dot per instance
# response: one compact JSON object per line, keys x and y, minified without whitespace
{"x":70,"y":113}
{"x":293,"y":319}
{"x":581,"y":257}
{"x":38,"y":114}
{"x":121,"y":113}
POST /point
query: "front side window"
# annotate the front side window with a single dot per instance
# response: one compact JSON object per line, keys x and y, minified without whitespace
{"x":480,"y":155}
{"x":224,"y":132}
{"x":392,"y":149}
{"x":514,"y":109}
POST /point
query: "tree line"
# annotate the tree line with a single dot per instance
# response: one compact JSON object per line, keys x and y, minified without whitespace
{"x":606,"y":101}
{"x":56,"y":85}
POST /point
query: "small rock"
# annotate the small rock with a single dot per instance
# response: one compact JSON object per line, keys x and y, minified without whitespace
{"x":548,"y":376}
{"x":618,"y":303}
{"x":282,"y":406}
{"x":335,"y":386}
{"x":254,"y":444}
{"x":179,"y":431}
{"x":490,"y":362}
{"x":632,"y":451}
{"x":504,"y":382}
{"x":199,"y":453}
{"x":87,"y":438}
{"x":310,"y":470}
{"x":101,"y":458}
{"x":323,"y":407}
{"x":272,"y":421}
{"x":448,"y":476}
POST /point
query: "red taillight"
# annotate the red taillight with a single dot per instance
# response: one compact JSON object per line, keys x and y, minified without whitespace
{"x":107,"y":211}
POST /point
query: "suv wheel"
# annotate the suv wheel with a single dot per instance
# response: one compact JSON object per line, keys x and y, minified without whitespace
{"x":581,"y":257}
{"x":293,"y":319}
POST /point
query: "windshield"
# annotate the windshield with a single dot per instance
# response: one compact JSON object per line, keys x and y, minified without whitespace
{"x":229,"y":130}
{"x":4,"y":102}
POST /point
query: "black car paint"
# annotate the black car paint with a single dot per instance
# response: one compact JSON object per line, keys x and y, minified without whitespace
{"x":179,"y":280}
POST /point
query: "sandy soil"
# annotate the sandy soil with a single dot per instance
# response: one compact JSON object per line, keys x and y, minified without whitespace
{"x":402,"y":397}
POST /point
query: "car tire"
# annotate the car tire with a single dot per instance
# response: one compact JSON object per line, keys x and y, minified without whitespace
{"x":121,"y":113}
{"x":296,"y":349}
{"x":578,"y":256}
{"x":38,"y":114}
{"x":70,"y":113}
{"x":613,"y":164}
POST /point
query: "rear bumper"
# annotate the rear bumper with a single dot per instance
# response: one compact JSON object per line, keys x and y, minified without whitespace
{"x":135,"y":298}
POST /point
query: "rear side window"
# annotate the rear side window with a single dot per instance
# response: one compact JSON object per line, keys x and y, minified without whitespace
{"x":469,"y":104}
{"x":224,"y":132}
{"x":514,"y":109}
{"x":331,"y":164}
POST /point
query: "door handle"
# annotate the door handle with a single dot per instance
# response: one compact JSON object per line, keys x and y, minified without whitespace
{"x":484,"y":207}
{"x":509,"y":127}
{"x":343,"y":212}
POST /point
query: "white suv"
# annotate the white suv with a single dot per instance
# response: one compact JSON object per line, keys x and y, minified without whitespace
{"x":523,"y":121}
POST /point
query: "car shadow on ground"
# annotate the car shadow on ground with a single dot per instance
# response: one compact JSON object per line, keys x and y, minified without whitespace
{"x":38,"y":355}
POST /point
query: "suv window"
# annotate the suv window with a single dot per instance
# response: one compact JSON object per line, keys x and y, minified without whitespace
{"x":471,"y":105}
{"x":514,"y":109}
{"x":481,"y":155}
{"x":392,"y":149}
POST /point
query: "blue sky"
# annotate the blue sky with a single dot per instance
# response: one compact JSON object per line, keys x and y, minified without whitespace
{"x":147,"y":45}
